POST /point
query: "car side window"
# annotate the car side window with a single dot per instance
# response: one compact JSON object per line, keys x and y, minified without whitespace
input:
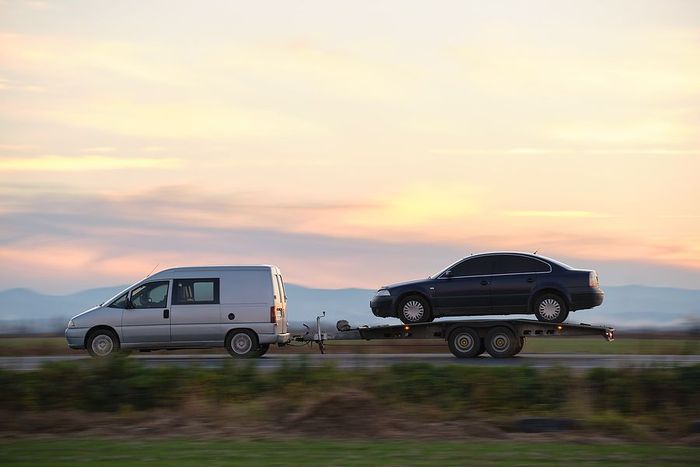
{"x":195,"y":291}
{"x":480,"y":266}
{"x":150,"y":295}
{"x":514,"y":264}
{"x":120,"y":302}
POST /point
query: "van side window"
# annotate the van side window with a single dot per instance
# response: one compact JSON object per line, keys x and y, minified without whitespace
{"x":195,"y":291}
{"x":150,"y":295}
{"x":119,"y":302}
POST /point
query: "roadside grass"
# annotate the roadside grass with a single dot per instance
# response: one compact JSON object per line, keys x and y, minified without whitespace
{"x":28,"y":346}
{"x":183,"y":452}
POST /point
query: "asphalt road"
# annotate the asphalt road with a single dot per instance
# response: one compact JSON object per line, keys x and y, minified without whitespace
{"x":273,"y":361}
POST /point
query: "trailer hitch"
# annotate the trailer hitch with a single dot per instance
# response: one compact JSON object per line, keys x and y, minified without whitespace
{"x":318,"y":337}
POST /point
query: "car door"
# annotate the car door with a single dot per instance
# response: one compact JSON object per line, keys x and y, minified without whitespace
{"x":146,"y":320}
{"x":514,"y":279}
{"x":195,"y":313}
{"x":464,"y":289}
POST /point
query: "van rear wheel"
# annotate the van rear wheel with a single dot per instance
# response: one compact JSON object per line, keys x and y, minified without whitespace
{"x":242,"y":344}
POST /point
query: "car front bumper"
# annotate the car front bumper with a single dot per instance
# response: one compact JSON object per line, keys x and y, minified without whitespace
{"x":382,"y":307}
{"x":76,"y":337}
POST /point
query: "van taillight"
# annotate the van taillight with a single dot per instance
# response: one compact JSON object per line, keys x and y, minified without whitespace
{"x":273,"y":316}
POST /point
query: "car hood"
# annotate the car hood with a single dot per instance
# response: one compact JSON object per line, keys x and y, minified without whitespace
{"x":407,"y":283}
{"x":87,"y":311}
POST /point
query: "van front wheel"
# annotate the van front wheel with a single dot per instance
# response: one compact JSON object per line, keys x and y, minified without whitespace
{"x":242,"y":344}
{"x":102,"y":343}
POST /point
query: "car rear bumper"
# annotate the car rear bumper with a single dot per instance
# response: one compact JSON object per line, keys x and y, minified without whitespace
{"x":588,"y":299}
{"x":382,"y":307}
{"x":75,"y":338}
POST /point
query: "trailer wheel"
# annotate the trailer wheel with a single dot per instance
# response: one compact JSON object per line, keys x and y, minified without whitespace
{"x":464,"y":343}
{"x":502,"y":343}
{"x":414,"y":309}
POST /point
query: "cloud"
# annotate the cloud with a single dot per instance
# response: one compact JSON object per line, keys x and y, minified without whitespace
{"x":51,"y":163}
{"x":563,"y":214}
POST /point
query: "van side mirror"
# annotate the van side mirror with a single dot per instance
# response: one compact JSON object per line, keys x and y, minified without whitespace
{"x":447,"y":274}
{"x":129,"y":304}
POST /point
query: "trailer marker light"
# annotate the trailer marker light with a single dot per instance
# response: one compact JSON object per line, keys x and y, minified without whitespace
{"x":407,"y":328}
{"x":559,"y":328}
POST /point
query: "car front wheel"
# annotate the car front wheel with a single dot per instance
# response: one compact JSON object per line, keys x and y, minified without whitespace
{"x":414,"y":309}
{"x":551,"y":308}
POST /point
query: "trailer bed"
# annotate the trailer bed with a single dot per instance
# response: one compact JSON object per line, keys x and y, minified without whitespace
{"x":465,"y":338}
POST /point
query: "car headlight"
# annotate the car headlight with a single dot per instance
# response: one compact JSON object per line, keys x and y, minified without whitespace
{"x":71,"y":324}
{"x":383,"y":293}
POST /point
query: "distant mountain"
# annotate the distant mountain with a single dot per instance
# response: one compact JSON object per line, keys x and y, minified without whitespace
{"x":625,"y":307}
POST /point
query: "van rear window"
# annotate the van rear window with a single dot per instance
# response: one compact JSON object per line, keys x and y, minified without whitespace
{"x":195,"y":291}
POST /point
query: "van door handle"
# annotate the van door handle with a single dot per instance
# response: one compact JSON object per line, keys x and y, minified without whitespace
{"x":166,"y":314}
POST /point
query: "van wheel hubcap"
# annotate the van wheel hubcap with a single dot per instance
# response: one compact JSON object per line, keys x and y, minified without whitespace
{"x":242,"y":343}
{"x":102,"y":345}
{"x":413,"y":310}
{"x":549,"y":308}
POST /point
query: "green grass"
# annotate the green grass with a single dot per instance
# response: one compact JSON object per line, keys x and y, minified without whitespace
{"x":69,"y":452}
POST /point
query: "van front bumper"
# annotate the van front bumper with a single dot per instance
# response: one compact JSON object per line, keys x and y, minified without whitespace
{"x":76,"y":337}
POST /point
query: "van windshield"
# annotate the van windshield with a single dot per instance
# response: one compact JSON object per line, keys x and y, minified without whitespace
{"x":110,"y":300}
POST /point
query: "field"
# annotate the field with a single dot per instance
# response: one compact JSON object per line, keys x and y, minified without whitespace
{"x":71,"y":451}
{"x":681,"y":345}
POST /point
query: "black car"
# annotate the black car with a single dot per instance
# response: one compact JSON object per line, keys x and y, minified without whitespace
{"x":493,"y":284}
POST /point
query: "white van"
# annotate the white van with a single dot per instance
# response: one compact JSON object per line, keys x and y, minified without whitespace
{"x":242,"y":308}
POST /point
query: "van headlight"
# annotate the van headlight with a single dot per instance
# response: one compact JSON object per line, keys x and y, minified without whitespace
{"x":383,"y":293}
{"x":71,"y":324}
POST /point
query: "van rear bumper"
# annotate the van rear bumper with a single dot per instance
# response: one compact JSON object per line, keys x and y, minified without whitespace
{"x":282,"y":338}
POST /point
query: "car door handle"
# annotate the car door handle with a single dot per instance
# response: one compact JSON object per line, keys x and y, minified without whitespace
{"x":166,"y":314}
{"x":484,"y":282}
{"x":530,"y":279}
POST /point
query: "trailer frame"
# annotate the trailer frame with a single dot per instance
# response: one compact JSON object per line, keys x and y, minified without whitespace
{"x":501,"y":338}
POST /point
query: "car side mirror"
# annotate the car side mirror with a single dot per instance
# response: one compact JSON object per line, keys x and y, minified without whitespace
{"x":447,"y":274}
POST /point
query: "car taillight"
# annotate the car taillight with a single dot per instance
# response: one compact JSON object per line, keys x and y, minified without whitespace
{"x":593,"y":279}
{"x":273,"y":315}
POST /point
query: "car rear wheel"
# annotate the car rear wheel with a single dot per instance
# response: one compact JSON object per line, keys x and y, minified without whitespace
{"x":551,"y":308}
{"x":102,"y":343}
{"x":242,"y":344}
{"x":414,"y":309}
{"x":502,"y":343}
{"x":464,"y":343}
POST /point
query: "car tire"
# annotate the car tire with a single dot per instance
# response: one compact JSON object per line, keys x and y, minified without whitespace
{"x":464,"y":343}
{"x":550,"y":308}
{"x":242,"y":343}
{"x":414,"y":309}
{"x":502,"y":343}
{"x":102,"y":343}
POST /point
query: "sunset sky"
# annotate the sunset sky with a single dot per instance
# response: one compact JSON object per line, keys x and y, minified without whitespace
{"x":352,"y":143}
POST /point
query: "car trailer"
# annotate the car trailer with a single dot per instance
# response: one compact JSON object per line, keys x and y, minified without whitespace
{"x":500,"y":338}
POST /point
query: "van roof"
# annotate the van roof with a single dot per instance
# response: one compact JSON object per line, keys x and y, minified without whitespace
{"x":216,"y":268}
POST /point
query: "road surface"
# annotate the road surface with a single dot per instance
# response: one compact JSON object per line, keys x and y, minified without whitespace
{"x":348,"y":361}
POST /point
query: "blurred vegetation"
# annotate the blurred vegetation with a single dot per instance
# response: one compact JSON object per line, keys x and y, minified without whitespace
{"x":122,"y":383}
{"x":71,"y":451}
